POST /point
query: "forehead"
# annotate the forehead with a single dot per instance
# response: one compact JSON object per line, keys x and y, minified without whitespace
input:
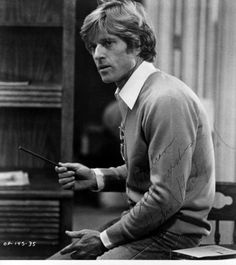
{"x":102,"y":35}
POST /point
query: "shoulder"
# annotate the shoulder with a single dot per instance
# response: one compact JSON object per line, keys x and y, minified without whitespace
{"x":162,"y":87}
{"x":165,"y":95}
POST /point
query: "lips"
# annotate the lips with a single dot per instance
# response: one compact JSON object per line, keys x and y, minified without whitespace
{"x":103,"y":67}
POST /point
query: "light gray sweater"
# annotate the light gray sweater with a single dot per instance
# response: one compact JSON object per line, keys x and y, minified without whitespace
{"x":169,"y":169}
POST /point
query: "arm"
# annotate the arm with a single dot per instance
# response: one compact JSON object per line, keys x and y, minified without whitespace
{"x":78,"y":176}
{"x":112,"y":179}
{"x":170,"y":129}
{"x":87,"y":243}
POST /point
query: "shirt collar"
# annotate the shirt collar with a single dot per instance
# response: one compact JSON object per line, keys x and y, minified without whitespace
{"x":130,"y":91}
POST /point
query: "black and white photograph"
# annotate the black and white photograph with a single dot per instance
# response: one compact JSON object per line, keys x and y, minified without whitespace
{"x":117,"y":131}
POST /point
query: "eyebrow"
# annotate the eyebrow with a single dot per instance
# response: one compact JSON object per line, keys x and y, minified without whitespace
{"x":92,"y":43}
{"x":103,"y":38}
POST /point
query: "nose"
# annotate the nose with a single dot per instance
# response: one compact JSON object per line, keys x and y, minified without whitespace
{"x":98,"y":52}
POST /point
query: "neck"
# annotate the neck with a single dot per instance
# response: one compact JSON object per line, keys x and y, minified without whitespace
{"x":124,"y":80}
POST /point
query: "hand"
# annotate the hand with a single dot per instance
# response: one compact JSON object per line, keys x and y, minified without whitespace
{"x":76,"y":176}
{"x":87,"y":246}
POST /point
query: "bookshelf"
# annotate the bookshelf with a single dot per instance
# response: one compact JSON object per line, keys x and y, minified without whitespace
{"x":33,"y":223}
{"x":37,"y":50}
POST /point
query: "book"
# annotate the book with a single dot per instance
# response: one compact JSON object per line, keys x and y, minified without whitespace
{"x":205,"y":252}
{"x":14,"y":83}
{"x":14,"y":179}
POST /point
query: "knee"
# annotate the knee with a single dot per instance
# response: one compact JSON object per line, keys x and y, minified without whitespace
{"x":117,"y":253}
{"x":106,"y":256}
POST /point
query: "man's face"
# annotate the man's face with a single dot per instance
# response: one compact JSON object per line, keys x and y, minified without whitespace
{"x":112,"y":58}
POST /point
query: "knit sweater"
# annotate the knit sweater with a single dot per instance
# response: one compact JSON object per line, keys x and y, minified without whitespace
{"x":169,"y":163}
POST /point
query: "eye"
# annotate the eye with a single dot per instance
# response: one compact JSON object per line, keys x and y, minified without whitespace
{"x":107,"y":43}
{"x":91,"y":47}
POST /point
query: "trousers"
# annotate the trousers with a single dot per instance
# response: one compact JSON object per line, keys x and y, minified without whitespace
{"x":155,"y":247}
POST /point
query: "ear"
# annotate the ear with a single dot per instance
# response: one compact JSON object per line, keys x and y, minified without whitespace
{"x":137,"y":50}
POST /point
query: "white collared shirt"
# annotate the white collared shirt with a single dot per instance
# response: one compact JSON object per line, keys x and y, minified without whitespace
{"x":130,"y":91}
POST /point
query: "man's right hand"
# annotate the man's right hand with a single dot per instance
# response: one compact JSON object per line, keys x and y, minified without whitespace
{"x":76,"y":176}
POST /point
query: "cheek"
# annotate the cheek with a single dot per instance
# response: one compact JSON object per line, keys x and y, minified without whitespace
{"x":125,"y":63}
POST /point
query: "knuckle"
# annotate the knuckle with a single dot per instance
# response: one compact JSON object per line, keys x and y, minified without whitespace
{"x":61,"y":169}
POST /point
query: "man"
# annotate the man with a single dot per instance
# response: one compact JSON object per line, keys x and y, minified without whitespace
{"x":166,"y":143}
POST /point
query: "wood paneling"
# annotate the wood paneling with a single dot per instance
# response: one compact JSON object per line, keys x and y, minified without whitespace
{"x":37,"y":46}
{"x":67,"y":126}
{"x":31,"y":54}
{"x":36,"y":129}
{"x":33,"y":222}
{"x":19,"y":223}
{"x":35,"y":95}
{"x":33,"y":13}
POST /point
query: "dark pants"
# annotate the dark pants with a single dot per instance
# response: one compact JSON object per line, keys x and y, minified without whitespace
{"x":156,"y":246}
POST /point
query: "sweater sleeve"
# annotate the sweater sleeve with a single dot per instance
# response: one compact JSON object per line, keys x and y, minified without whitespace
{"x":114,"y":178}
{"x":170,"y":131}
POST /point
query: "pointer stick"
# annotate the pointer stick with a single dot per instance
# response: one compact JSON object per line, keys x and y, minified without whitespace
{"x":38,"y":156}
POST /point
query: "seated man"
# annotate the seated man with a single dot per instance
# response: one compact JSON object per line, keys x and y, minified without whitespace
{"x":168,"y":171}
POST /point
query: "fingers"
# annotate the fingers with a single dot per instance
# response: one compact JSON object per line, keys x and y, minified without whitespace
{"x":69,"y":186}
{"x":74,"y":175}
{"x":67,"y":249}
{"x":86,"y":244}
{"x":66,"y":177}
{"x":74,"y":234}
{"x":70,"y":166}
{"x":60,"y":169}
{"x":65,"y":170}
{"x":73,"y":246}
{"x":77,"y":234}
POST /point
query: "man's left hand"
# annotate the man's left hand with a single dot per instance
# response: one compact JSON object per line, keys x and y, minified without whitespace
{"x":87,"y":246}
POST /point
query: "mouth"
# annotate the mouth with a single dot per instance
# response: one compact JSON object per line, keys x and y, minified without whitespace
{"x":103,"y":67}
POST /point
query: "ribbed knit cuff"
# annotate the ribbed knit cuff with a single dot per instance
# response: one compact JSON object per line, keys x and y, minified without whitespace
{"x":99,"y":177}
{"x":105,"y":240}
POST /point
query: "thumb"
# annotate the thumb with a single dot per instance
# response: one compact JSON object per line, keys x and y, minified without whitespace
{"x":69,"y":166}
{"x":74,"y":234}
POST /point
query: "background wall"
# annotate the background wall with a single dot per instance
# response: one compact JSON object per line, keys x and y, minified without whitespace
{"x":197,"y":43}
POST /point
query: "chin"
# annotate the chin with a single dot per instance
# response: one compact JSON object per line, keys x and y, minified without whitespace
{"x":107,"y":80}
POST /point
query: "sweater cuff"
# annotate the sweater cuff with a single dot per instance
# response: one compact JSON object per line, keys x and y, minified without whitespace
{"x":99,"y":177}
{"x":105,"y":240}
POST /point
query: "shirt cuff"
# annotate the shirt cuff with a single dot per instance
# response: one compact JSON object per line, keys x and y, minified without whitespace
{"x":105,"y":240}
{"x":99,"y":177}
